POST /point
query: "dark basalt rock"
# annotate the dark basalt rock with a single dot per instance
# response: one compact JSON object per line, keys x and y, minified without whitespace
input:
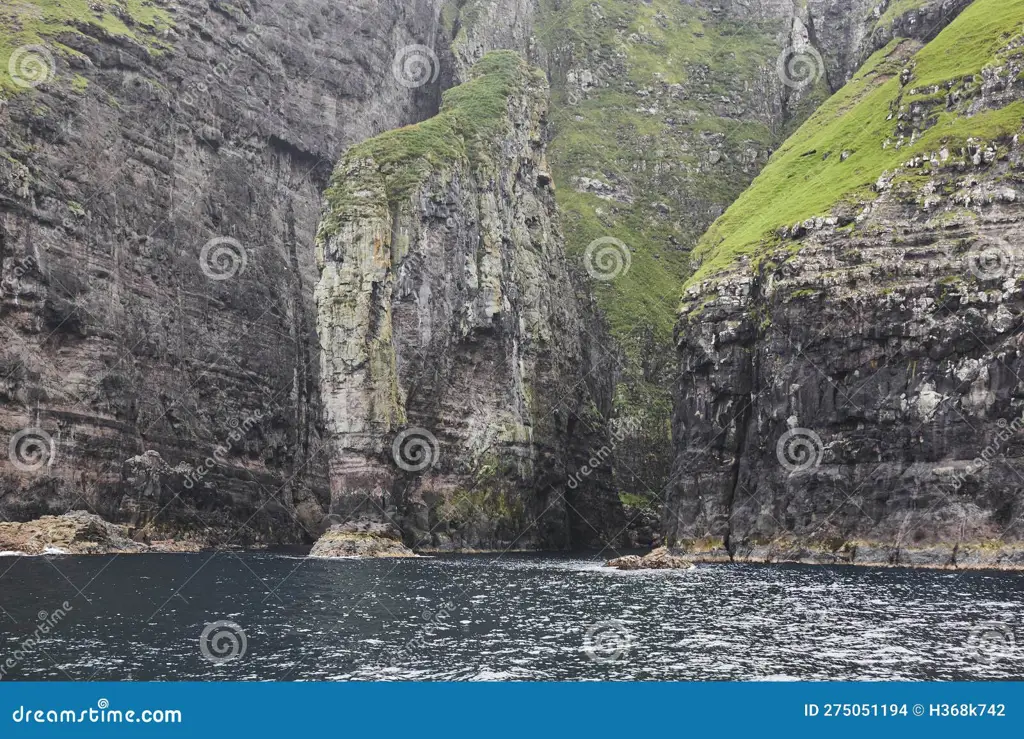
{"x":115,"y":342}
{"x":660,"y":559}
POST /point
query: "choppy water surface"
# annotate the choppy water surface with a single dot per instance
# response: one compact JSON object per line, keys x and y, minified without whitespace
{"x":501,"y":618}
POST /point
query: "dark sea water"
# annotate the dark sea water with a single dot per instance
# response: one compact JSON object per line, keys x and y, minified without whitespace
{"x":499,"y":618}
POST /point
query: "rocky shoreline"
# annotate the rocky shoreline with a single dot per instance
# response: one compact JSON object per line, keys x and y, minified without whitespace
{"x":975,"y":556}
{"x":661,"y":558}
{"x":82,"y":533}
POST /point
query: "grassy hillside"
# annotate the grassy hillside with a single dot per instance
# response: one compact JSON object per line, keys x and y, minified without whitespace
{"x":651,"y":113}
{"x":874,"y":125}
{"x":472,"y":117}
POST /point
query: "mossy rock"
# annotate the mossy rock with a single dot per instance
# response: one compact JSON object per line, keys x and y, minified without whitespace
{"x":30,"y":29}
{"x":469,"y":127}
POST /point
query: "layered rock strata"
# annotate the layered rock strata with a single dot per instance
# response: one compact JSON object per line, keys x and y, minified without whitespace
{"x":452,"y":369}
{"x":161,"y":172}
{"x":850,"y":383}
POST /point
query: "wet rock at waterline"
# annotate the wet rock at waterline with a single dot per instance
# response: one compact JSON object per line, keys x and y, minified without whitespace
{"x":660,"y":559}
{"x":361,"y":539}
{"x":78,"y":533}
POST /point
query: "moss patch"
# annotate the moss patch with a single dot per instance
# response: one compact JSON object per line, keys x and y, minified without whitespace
{"x":632,"y":130}
{"x":637,"y":106}
{"x":41,"y":22}
{"x":897,"y":9}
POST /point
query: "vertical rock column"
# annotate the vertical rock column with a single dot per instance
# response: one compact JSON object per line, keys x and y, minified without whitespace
{"x":452,"y":370}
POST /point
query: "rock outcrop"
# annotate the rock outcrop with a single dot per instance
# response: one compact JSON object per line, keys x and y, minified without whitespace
{"x":452,"y":374}
{"x":79,"y":532}
{"x":162,"y":171}
{"x":660,"y":559}
{"x":850,"y":347}
{"x":663,"y":113}
{"x":361,"y":539}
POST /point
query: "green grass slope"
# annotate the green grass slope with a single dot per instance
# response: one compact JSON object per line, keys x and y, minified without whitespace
{"x":874,"y":125}
{"x":623,"y":132}
{"x":670,"y":117}
{"x":473,"y":117}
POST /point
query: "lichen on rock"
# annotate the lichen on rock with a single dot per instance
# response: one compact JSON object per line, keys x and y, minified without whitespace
{"x":446,"y":310}
{"x":661,"y":558}
{"x":361,"y":539}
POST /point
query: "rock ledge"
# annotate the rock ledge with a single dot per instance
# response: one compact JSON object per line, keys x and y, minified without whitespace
{"x":78,"y":532}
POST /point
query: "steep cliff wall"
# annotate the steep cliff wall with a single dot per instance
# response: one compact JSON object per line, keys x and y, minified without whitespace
{"x":161,"y":169}
{"x":452,"y":369}
{"x":850,"y":351}
{"x":161,"y":172}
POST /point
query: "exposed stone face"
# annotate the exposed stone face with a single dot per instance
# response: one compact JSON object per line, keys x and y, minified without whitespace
{"x":140,"y":369}
{"x":861,"y":399}
{"x":850,"y":389}
{"x":361,"y":539}
{"x":847,"y":32}
{"x":481,"y":26}
{"x":660,"y":559}
{"x":448,"y":318}
{"x":115,"y":342}
{"x":76,"y":533}
{"x":663,"y":113}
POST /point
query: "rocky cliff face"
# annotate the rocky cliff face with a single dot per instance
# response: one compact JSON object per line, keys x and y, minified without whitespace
{"x":161,"y":169}
{"x":452,"y":376}
{"x":850,"y":351}
{"x":161,"y":179}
